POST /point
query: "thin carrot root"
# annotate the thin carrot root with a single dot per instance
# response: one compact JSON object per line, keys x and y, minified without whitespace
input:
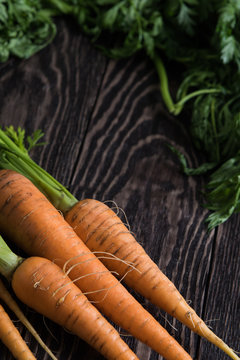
{"x":102,"y":230}
{"x":119,"y":209}
{"x":11,"y":337}
{"x":106,"y":289}
{"x":100,"y":255}
{"x":11,"y":303}
{"x":203,"y":330}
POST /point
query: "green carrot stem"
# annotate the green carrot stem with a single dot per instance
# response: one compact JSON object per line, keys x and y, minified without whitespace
{"x":175,"y":108}
{"x":16,"y":158}
{"x":8,"y":260}
{"x":179,"y":105}
{"x":164,"y":87}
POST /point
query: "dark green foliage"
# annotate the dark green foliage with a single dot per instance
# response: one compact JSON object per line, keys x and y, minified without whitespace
{"x":25,"y":28}
{"x":203,"y":36}
{"x":223,"y":196}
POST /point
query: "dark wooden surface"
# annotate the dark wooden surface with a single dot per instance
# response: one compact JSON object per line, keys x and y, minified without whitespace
{"x":106,"y":130}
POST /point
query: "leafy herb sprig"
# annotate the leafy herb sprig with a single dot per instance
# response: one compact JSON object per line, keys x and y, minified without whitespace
{"x":25,"y":28}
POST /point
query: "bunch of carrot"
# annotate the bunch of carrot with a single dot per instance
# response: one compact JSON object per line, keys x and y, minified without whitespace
{"x":86,"y":245}
{"x":40,"y":230}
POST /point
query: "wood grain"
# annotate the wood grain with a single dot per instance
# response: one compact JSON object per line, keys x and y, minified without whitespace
{"x":107,"y":132}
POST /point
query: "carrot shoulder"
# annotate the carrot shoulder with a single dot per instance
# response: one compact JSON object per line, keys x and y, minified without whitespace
{"x":39,"y":229}
{"x":11,"y":337}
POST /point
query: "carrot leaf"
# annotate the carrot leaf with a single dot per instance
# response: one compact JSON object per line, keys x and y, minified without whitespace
{"x":223,"y":192}
{"x":18,"y":137}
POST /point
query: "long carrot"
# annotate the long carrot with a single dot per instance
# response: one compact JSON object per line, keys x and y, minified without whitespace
{"x":11,"y":337}
{"x":11,"y":303}
{"x":32,"y":222}
{"x":102,"y":230}
{"x":42,"y":285}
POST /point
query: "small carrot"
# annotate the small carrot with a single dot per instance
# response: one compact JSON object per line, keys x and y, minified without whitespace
{"x":11,"y":337}
{"x":11,"y":303}
{"x":149,"y":280}
{"x":102,"y":230}
{"x":32,"y":222}
{"x":42,"y":285}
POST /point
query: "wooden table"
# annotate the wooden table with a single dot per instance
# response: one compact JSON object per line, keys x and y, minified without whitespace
{"x":106,"y":130}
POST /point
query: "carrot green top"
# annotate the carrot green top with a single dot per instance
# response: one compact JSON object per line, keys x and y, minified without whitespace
{"x":8,"y":260}
{"x":14,"y":155}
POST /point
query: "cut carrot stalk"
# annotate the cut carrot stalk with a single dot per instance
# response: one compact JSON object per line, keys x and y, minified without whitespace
{"x":43,"y":286}
{"x":101,"y":230}
{"x":11,"y":303}
{"x":12,"y":338}
{"x":32,"y":222}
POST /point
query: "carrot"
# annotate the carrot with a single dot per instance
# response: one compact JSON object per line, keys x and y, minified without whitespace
{"x":103,"y":231}
{"x":11,"y":337}
{"x":32,"y":222}
{"x":11,"y":303}
{"x":42,"y":285}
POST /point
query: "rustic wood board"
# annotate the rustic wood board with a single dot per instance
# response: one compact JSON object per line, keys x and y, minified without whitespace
{"x":107,"y":131}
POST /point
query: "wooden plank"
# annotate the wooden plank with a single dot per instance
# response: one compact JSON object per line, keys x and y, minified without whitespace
{"x":222,"y":306}
{"x":55,"y":90}
{"x":107,"y":131}
{"x":125,"y":159}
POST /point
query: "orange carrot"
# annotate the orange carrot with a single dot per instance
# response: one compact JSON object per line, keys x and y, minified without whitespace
{"x":11,"y":303}
{"x":29,"y":219}
{"x":102,"y":230}
{"x":42,"y":285}
{"x":11,"y":337}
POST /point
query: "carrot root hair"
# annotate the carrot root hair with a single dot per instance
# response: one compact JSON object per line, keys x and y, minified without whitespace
{"x":100,"y":255}
{"x":106,"y":290}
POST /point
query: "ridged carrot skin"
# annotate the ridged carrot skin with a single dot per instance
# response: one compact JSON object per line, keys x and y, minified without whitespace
{"x":43,"y":286}
{"x":102,"y":230}
{"x":28,"y":218}
{"x":11,"y":337}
